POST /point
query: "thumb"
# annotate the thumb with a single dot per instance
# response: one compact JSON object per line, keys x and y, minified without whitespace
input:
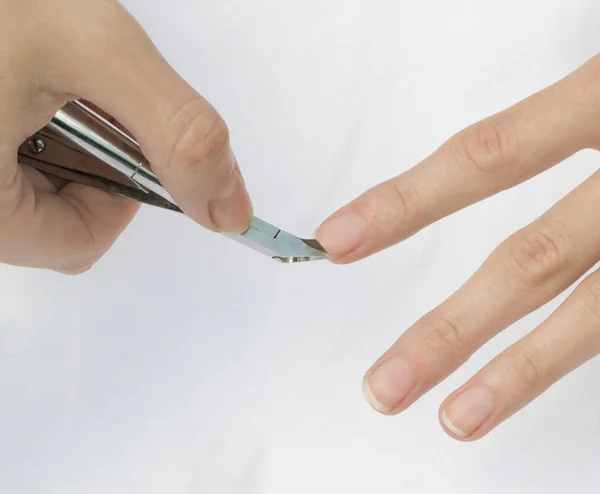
{"x":181,"y":134}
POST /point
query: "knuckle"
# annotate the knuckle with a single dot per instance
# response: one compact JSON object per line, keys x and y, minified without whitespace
{"x":582,"y":86}
{"x":588,"y":295}
{"x":488,"y":147}
{"x":526,"y":368}
{"x":539,"y":255}
{"x":201,"y":137}
{"x":444,"y":335}
{"x":405,"y":201}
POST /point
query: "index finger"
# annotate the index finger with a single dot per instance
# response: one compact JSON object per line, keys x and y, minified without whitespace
{"x":493,"y":155}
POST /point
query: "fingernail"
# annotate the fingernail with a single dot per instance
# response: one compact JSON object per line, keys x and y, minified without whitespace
{"x":231,"y":209}
{"x":468,"y":411}
{"x":386,"y":387}
{"x":342,"y":234}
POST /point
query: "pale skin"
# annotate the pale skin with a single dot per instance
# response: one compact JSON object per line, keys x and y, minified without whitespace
{"x":526,"y":271}
{"x":95,"y":50}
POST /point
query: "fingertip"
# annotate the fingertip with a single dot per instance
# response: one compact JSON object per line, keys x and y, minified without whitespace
{"x":372,"y":400}
{"x":75,"y":270}
{"x":449,"y":427}
{"x":464,"y":415}
{"x":342,"y":234}
{"x":388,"y":384}
{"x":231,"y":209}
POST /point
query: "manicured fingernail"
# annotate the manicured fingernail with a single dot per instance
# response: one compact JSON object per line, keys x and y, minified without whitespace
{"x":387,"y":385}
{"x":231,"y":209}
{"x":342,"y":234}
{"x":468,"y":411}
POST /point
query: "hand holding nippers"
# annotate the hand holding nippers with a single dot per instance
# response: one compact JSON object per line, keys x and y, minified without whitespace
{"x":96,"y":50}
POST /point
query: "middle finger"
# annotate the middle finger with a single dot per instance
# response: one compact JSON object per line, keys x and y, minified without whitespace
{"x":527,"y":270}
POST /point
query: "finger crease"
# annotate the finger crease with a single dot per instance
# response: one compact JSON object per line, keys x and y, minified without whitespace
{"x":80,"y":207}
{"x":13,"y":186}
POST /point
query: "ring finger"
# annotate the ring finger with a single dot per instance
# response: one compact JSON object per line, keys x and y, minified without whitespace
{"x":523,"y":273}
{"x":567,"y":339}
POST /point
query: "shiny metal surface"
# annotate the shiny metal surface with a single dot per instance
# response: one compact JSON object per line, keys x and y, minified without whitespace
{"x":36,"y":146}
{"x":280,"y":245}
{"x":79,"y":143}
{"x":101,"y":139}
{"x":77,"y":166}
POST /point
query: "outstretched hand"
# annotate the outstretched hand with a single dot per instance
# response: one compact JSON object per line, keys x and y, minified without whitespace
{"x":526,"y":271}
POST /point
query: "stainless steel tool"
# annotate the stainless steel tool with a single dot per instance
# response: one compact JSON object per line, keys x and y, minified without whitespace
{"x":78,"y":139}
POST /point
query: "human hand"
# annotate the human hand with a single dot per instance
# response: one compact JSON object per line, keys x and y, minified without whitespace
{"x":96,"y":51}
{"x":527,"y":270}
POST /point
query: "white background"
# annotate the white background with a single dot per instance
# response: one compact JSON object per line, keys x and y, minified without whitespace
{"x":184,"y":363}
